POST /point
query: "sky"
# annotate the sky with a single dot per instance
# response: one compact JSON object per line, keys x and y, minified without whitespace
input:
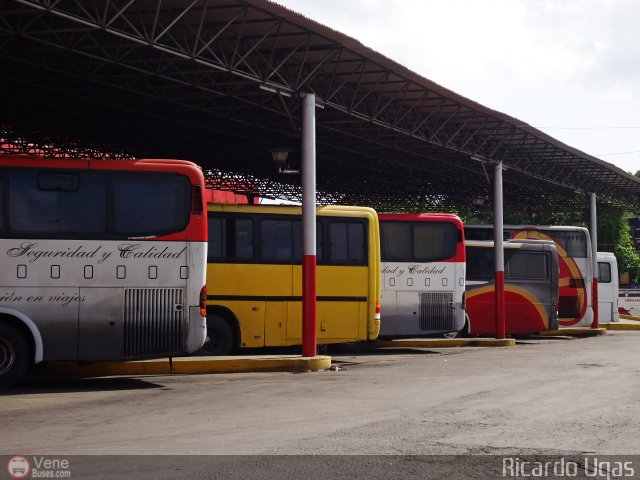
{"x":570,"y":68}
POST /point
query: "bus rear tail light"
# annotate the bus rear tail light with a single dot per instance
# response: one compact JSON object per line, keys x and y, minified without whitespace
{"x":196,"y":199}
{"x":377,"y":310}
{"x":203,"y":301}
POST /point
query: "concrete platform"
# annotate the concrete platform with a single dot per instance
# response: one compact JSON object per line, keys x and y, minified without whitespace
{"x":192,"y":365}
{"x":444,"y":343}
{"x":621,"y":326}
{"x":630,"y":317}
{"x":574,"y":332}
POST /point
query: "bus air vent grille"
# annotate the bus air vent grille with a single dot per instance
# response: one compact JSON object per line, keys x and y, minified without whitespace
{"x":437,"y":311}
{"x":153,"y":322}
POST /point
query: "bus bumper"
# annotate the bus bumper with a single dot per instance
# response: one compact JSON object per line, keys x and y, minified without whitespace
{"x":197,"y":329}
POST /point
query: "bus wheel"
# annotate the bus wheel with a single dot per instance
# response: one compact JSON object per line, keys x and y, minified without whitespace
{"x":14,"y":355}
{"x":220,"y":336}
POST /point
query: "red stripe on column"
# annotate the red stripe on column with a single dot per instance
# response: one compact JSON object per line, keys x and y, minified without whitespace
{"x":594,"y":302}
{"x":500,"y":315}
{"x":309,"y":306}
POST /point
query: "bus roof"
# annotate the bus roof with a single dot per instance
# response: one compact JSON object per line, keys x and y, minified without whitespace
{"x":329,"y":210}
{"x":566,"y":228}
{"x":422,"y":217}
{"x":514,"y":244}
{"x":184,"y":167}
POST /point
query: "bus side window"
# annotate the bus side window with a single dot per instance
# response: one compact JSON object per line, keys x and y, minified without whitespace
{"x":216,"y":250}
{"x":297,"y":242}
{"x":277,"y":241}
{"x":230,"y":239}
{"x":604,"y":272}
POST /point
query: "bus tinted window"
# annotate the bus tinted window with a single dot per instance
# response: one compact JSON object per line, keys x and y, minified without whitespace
{"x":526,"y":265}
{"x":395,"y":241}
{"x":230,"y":239}
{"x":297,"y":242}
{"x":82,"y":209}
{"x":277,"y":240}
{"x":434,"y":241}
{"x":145,"y":205}
{"x":480,"y":263}
{"x":418,"y":241}
{"x":604,"y":272}
{"x":347,"y":243}
{"x":575,"y":243}
{"x":216,"y":250}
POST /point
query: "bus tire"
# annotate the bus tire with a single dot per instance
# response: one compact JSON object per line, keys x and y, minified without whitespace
{"x":14,"y":355}
{"x":220,"y":338}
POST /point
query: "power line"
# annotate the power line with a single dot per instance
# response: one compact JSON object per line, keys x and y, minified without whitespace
{"x":584,"y":128}
{"x":618,"y":153}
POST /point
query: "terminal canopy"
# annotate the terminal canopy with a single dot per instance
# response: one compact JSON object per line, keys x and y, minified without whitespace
{"x":218,"y":82}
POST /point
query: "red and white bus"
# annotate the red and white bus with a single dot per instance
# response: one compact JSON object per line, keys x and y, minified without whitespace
{"x":423,"y":274}
{"x":574,"y":257}
{"x":101,"y":260}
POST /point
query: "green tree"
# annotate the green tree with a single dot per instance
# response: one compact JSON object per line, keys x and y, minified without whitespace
{"x":628,"y":259}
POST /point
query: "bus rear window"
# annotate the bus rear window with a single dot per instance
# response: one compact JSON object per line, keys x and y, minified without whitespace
{"x":480,"y":263}
{"x":57,"y":209}
{"x":575,"y":243}
{"x":418,"y":241}
{"x":526,"y":265}
{"x":150,"y":204}
{"x":434,"y":241}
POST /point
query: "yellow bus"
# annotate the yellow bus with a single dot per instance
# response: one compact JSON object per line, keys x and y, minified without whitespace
{"x":254,"y":276}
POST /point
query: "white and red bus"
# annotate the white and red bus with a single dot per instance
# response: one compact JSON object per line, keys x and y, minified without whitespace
{"x":423,"y":274}
{"x":101,"y":260}
{"x":575,"y":260}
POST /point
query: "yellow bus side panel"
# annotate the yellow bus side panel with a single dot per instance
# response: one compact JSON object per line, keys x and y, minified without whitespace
{"x":251,"y":287}
{"x":275,"y":326}
{"x":336,"y":320}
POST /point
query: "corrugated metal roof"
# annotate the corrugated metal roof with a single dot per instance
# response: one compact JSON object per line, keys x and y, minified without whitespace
{"x":217,"y":82}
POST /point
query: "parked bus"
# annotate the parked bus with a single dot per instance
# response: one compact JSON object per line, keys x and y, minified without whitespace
{"x":255,"y":276}
{"x":608,"y":288}
{"x":575,"y":259}
{"x":423,"y":271}
{"x":531,"y":273}
{"x":101,"y":260}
